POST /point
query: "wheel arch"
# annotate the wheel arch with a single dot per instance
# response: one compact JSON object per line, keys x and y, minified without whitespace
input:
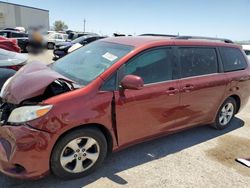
{"x":238,"y":102}
{"x":107,"y":134}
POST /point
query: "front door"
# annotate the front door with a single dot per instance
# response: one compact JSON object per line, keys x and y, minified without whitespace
{"x":151,"y":110}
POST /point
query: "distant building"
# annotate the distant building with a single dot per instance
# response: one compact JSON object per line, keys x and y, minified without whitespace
{"x":14,"y":15}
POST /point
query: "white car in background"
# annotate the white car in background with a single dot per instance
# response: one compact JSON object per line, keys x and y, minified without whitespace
{"x":246,"y":48}
{"x":54,"y":38}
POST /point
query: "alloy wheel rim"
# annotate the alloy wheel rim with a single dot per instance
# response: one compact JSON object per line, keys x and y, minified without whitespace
{"x":226,"y":114}
{"x":80,"y":154}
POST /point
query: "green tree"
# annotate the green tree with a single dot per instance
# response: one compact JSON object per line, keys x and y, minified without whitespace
{"x":59,"y":25}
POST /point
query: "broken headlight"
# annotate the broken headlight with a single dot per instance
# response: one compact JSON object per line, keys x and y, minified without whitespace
{"x":28,"y":113}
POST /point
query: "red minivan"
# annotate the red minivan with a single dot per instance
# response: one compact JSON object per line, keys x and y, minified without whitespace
{"x":64,"y":118}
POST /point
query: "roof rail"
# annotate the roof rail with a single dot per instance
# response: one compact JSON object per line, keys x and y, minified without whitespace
{"x":204,"y":38}
{"x":158,"y":35}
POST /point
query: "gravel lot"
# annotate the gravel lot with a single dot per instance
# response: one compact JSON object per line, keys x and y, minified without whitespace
{"x":200,"y":157}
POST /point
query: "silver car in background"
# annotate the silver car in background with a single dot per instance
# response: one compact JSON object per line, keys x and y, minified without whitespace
{"x":10,"y":62}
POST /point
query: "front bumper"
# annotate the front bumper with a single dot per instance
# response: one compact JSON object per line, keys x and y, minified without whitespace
{"x":24,"y":152}
{"x":59,"y":53}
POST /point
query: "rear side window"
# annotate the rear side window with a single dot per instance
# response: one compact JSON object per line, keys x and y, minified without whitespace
{"x":233,"y":59}
{"x":152,"y":66}
{"x":198,"y":61}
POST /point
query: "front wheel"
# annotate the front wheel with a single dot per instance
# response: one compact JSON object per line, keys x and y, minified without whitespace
{"x":225,"y":114}
{"x":78,"y":153}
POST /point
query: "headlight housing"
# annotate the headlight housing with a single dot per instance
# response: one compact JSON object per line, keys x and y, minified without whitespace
{"x":28,"y":113}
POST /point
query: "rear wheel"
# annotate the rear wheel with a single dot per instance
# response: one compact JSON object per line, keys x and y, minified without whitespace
{"x":50,"y":45}
{"x":78,"y":153}
{"x":225,"y":114}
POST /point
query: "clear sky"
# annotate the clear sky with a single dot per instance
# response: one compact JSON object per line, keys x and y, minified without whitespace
{"x":221,"y":18}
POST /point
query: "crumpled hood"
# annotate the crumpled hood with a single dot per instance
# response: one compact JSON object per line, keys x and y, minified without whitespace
{"x":30,"y":81}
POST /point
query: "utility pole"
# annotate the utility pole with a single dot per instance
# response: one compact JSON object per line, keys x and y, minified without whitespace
{"x":84,"y":23}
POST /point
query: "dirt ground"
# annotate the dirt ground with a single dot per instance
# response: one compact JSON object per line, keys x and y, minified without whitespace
{"x":199,"y":157}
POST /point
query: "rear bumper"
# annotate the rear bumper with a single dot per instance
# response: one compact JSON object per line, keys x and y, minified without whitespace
{"x":24,"y":152}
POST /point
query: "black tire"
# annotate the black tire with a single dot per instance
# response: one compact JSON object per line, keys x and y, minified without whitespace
{"x":218,"y":125}
{"x":55,"y":163}
{"x":50,"y":45}
{"x":28,"y":48}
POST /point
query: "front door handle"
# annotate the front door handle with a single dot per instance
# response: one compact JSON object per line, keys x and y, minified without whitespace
{"x":188,"y":88}
{"x":172,"y":91}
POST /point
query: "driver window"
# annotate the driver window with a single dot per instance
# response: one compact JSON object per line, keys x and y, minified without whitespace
{"x":152,"y":66}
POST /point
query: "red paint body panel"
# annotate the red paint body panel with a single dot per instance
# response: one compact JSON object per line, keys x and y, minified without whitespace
{"x":143,"y":114}
{"x":199,"y":104}
{"x":9,"y":44}
{"x":24,"y":146}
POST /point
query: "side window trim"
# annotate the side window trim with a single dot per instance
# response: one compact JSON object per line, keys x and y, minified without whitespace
{"x":218,"y":60}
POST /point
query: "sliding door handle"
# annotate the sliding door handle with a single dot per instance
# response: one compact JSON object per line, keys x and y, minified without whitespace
{"x":172,"y":91}
{"x":188,"y":88}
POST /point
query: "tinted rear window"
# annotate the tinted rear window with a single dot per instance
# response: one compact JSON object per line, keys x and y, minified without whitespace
{"x":233,"y":59}
{"x":197,"y":61}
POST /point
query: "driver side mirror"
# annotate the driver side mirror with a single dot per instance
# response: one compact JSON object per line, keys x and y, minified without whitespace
{"x":132,"y":82}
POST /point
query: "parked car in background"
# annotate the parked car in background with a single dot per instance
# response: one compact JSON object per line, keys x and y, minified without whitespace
{"x":61,"y":49}
{"x":54,"y":38}
{"x":22,"y":38}
{"x":9,"y":44}
{"x":75,"y":35}
{"x":246,"y":48}
{"x":5,"y":74}
{"x":21,"y":29}
{"x":114,"y":93}
{"x":49,"y":32}
{"x":10,"y":62}
{"x":10,"y":28}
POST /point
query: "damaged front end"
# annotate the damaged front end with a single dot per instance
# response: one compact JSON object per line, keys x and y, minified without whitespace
{"x":31,"y":85}
{"x":22,"y":99}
